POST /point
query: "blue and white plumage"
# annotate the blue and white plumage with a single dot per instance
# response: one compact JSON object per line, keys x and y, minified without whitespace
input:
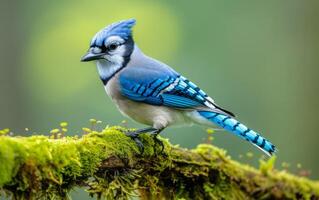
{"x":152,"y":93}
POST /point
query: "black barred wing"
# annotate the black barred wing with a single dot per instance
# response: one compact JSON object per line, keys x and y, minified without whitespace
{"x":172,"y":91}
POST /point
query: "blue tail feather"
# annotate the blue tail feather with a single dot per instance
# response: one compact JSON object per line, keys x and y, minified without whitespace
{"x":239,"y":129}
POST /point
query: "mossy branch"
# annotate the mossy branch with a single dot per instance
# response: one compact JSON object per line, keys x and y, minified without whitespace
{"x":109,"y":166}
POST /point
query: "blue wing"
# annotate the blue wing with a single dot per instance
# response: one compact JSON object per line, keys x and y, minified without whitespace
{"x":164,"y":87}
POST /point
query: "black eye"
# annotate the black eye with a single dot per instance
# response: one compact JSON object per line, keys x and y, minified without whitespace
{"x":112,"y":46}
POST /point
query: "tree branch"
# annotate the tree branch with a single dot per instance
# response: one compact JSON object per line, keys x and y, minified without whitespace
{"x":109,"y":165}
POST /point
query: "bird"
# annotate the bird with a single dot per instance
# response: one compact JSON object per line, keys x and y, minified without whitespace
{"x":152,"y":93}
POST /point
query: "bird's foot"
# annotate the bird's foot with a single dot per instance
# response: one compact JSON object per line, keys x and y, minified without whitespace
{"x":134,"y":136}
{"x":157,"y":141}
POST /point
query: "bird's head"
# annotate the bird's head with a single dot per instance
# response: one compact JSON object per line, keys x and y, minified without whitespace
{"x":114,"y":43}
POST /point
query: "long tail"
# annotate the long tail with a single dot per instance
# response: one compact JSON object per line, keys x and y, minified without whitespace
{"x":239,"y":129}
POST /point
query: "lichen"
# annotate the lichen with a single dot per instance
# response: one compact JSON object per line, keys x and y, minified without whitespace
{"x":109,"y":165}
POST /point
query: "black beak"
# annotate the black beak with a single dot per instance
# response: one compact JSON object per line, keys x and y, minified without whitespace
{"x":92,"y":56}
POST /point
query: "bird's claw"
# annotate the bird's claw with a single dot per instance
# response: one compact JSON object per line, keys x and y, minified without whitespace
{"x":135,"y":136}
{"x":158,"y":141}
{"x":131,"y":134}
{"x":138,"y":142}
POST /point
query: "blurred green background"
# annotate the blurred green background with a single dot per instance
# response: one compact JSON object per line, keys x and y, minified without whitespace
{"x":258,"y":59}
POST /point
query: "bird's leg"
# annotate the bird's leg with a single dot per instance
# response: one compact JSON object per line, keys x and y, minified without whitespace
{"x":134,"y":135}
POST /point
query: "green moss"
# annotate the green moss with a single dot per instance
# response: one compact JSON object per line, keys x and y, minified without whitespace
{"x":268,"y":165}
{"x":6,"y":168}
{"x":109,"y":165}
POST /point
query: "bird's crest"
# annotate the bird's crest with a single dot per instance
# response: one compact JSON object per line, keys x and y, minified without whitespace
{"x":122,"y":29}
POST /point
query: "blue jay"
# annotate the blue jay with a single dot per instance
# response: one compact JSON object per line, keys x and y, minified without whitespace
{"x":152,"y":93}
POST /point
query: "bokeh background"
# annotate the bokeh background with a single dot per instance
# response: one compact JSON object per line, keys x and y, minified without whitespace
{"x":258,"y":59}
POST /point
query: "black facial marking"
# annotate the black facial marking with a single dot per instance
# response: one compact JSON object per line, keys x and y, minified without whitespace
{"x":129,"y":44}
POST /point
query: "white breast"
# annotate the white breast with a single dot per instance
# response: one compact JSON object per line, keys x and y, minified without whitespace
{"x":156,"y":116}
